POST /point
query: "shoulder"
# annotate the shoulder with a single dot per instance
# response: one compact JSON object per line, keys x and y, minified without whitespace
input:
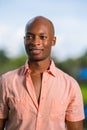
{"x":67,"y":79}
{"x":10,"y":75}
{"x":62,"y":76}
{"x":70,"y":86}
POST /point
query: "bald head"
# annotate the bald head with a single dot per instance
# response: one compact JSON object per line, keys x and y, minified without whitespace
{"x":39,"y":19}
{"x":39,"y":38}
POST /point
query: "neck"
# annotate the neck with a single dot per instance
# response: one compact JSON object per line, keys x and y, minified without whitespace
{"x":39,"y":66}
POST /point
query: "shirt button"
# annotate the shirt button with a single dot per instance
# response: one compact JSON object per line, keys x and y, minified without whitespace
{"x":62,"y":102}
{"x":39,"y":115}
{"x":18,"y":100}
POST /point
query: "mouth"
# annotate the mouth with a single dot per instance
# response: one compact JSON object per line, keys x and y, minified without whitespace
{"x":35,"y":51}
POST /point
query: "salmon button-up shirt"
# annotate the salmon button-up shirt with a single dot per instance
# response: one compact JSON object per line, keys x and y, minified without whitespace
{"x":60,"y":100}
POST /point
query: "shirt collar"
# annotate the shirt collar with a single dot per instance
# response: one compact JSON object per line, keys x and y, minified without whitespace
{"x":26,"y":68}
{"x":51,"y":70}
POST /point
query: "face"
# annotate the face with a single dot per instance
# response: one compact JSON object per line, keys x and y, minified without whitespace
{"x":39,"y":40}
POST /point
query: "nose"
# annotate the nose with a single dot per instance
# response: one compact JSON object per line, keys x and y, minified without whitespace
{"x":36,"y":40}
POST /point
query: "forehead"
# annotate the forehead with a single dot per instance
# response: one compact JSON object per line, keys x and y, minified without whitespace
{"x":36,"y":25}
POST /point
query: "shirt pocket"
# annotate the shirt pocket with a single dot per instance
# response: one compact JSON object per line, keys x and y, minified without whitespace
{"x":58,"y":109}
{"x":19,"y":108}
{"x":14,"y":107}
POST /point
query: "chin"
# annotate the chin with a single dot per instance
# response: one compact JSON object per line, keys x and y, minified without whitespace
{"x":36,"y":59}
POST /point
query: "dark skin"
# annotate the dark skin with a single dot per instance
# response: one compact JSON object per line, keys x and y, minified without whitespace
{"x":39,"y":39}
{"x":38,"y":42}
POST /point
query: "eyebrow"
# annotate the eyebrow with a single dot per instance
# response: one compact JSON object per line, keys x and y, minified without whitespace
{"x":34,"y":34}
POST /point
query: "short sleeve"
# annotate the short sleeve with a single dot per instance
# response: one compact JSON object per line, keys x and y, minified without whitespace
{"x":3,"y":100}
{"x":75,"y":110}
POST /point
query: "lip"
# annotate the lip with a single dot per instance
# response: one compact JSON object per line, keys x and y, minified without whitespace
{"x":36,"y":51}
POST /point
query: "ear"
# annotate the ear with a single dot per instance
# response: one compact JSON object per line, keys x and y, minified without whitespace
{"x":53,"y":41}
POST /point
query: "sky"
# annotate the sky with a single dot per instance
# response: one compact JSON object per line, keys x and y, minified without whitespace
{"x":68,"y":16}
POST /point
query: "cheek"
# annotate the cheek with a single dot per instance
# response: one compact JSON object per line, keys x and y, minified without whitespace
{"x":27,"y":48}
{"x":27,"y":45}
{"x":47,"y":44}
{"x":47,"y":49}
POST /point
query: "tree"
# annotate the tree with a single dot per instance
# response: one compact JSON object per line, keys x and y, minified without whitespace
{"x":3,"y":57}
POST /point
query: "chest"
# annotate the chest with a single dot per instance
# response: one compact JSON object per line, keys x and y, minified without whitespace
{"x":47,"y":89}
{"x":37,"y":83}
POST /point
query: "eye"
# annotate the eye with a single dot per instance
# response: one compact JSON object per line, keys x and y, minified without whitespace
{"x":42,"y":37}
{"x":29,"y":37}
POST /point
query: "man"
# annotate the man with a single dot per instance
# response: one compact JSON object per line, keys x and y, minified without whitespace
{"x":39,"y":96}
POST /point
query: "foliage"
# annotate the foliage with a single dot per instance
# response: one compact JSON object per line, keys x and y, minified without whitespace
{"x":72,"y":66}
{"x":11,"y":64}
{"x":3,"y":57}
{"x":84,"y":92}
